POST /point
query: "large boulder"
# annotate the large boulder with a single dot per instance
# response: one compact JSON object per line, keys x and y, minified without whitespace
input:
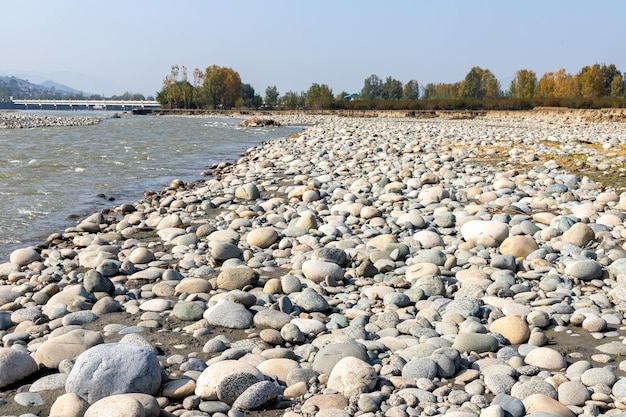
{"x":114,"y":368}
{"x":15,"y":365}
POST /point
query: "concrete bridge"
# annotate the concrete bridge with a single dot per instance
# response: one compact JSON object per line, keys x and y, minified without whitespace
{"x":86,"y":104}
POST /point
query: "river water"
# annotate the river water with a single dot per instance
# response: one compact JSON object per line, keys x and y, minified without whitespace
{"x":49,"y":173}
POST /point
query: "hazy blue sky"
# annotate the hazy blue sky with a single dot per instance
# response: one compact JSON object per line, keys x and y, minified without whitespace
{"x":112,"y":46}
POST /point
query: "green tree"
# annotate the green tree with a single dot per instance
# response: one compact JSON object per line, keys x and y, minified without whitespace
{"x":592,"y":82}
{"x":176,"y":93}
{"x":249,"y":98}
{"x":391,"y":89}
{"x":524,"y":84}
{"x":471,"y":85}
{"x":222,"y":87}
{"x":271,"y":96}
{"x":319,"y":97}
{"x":372,"y":88}
{"x":411,"y":91}
{"x":480,"y":84}
{"x":609,"y":72}
{"x":293,"y":100}
{"x":441,"y":91}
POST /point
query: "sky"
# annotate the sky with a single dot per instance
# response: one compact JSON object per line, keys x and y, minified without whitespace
{"x":114,"y":46}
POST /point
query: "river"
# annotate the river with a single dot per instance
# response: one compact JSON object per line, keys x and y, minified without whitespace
{"x":50,"y":173}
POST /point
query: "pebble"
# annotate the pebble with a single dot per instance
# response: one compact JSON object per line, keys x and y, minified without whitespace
{"x":365,"y":264}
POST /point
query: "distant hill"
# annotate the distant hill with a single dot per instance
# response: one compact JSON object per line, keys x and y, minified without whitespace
{"x":19,"y":88}
{"x":51,"y":85}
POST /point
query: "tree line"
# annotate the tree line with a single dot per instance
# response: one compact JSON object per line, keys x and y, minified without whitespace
{"x":221,"y":88}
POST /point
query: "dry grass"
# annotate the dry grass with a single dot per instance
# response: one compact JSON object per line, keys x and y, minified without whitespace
{"x":573,"y":163}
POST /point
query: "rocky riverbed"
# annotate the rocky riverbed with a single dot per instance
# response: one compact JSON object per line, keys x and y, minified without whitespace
{"x":13,"y":120}
{"x":371,"y":267}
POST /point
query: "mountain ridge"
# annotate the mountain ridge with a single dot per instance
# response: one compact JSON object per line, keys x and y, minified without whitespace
{"x":11,"y":86}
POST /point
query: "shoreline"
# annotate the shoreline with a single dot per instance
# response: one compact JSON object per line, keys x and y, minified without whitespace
{"x":14,"y":120}
{"x":437,"y":255}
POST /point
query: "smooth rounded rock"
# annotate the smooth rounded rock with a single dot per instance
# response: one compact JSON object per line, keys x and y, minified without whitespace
{"x":352,"y":376}
{"x":66,"y":346}
{"x":122,"y":368}
{"x":236,"y":278}
{"x":475,"y":342}
{"x":475,"y":231}
{"x":584,"y":269}
{"x":15,"y":365}
{"x":262,"y":237}
{"x":513,"y":328}
{"x":228,"y":314}
{"x":519,"y":246}
{"x":546,"y":358}
{"x":24,"y":256}
{"x":318,"y":271}
{"x":208,"y":381}
{"x":69,"y":405}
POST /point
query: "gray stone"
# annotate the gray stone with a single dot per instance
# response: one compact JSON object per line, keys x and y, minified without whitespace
{"x":248,"y":192}
{"x":230,"y":387}
{"x":15,"y":365}
{"x":513,"y":407}
{"x":236,"y":278}
{"x":319,"y":271}
{"x":618,"y":267}
{"x":106,"y":305}
{"x":329,"y":254}
{"x":221,"y":251}
{"x":397,"y":298}
{"x":311,"y":301}
{"x":301,"y":375}
{"x":138,"y":340}
{"x":430,"y":285}
{"x":49,"y":382}
{"x":109,"y":267}
{"x":573,"y":393}
{"x":619,"y":388}
{"x":475,"y":342}
{"x":228,"y":314}
{"x":121,"y":368}
{"x":257,"y":395}
{"x":271,"y":319}
{"x":29,"y":399}
{"x":94,"y":281}
{"x":499,"y":383}
{"x":420,"y":368}
{"x":188,"y":310}
{"x":24,"y":256}
{"x":329,"y":355}
{"x":584,"y":270}
{"x":290,"y":284}
{"x":79,"y":318}
{"x":595,"y":376}
{"x":5,"y":320}
{"x":534,"y":386}
{"x":433,"y":256}
{"x":292,"y":333}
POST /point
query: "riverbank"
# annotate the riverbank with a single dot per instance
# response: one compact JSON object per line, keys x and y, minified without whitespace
{"x":14,"y":120}
{"x":547,"y":114}
{"x":391,"y":267}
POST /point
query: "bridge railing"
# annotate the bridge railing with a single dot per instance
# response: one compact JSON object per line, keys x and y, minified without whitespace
{"x":88,"y":103}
